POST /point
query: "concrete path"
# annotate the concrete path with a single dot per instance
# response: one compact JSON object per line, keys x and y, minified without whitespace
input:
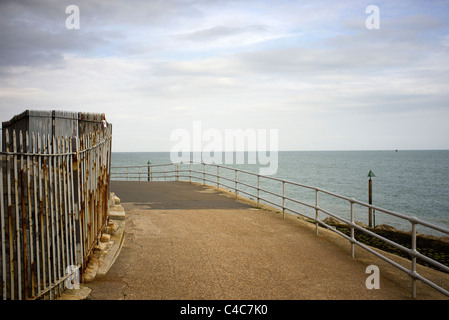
{"x":187,"y":241}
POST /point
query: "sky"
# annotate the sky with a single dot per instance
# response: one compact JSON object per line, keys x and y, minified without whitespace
{"x":312,"y":70}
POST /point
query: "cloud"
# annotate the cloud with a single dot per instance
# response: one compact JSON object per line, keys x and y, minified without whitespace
{"x":310,"y":69}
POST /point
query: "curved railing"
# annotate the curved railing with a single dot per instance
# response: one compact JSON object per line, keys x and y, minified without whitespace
{"x":236,"y":180}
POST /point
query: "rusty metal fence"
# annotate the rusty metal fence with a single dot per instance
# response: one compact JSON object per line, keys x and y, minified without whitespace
{"x":53,"y":208}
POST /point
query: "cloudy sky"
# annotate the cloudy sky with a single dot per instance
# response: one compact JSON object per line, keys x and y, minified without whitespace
{"x":310,"y":69}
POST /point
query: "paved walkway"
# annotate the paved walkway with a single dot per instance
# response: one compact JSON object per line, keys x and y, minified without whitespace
{"x":187,"y":241}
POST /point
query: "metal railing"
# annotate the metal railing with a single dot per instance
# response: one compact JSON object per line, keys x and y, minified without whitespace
{"x":53,"y":208}
{"x":233,"y":180}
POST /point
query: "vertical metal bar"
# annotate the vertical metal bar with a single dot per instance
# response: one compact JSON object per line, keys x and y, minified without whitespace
{"x":316,"y":211}
{"x":84,"y":217}
{"x":86,"y":180}
{"x":283,"y":199}
{"x":52,"y":185}
{"x":218,"y":178}
{"x":17,"y":221}
{"x":57,"y":204}
{"x":3,"y":230}
{"x":30,"y":213}
{"x":42,"y":167}
{"x":95,"y":184}
{"x":64,"y":214}
{"x":47,"y":189}
{"x":10,"y":160}
{"x":352,"y":231}
{"x":69,"y":199}
{"x":24,"y":216}
{"x":370,"y":201}
{"x":190,"y":171}
{"x":413,"y":260}
{"x":76,"y":201}
{"x":36,"y":210}
{"x":92,"y":188}
{"x":236,"y":183}
{"x":67,"y":202}
{"x":204,"y":174}
{"x":258,"y":189}
{"x":90,"y":199}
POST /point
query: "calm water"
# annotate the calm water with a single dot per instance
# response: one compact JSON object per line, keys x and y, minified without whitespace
{"x":409,"y":182}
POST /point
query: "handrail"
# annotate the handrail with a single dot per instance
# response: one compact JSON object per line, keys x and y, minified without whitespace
{"x":214,"y":178}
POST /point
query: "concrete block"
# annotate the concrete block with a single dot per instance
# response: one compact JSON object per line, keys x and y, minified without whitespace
{"x":105,"y":237}
{"x":117,"y":212}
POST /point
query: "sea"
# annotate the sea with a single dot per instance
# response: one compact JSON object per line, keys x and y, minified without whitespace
{"x":409,"y":182}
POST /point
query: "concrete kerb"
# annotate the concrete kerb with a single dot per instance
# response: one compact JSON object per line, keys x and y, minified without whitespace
{"x":106,"y":252}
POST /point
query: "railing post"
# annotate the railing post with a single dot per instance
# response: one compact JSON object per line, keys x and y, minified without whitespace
{"x":204,"y":174}
{"x":413,"y":260}
{"x":258,"y":189}
{"x":316,"y":210}
{"x":236,"y":184}
{"x":190,"y":171}
{"x":283,"y":199}
{"x":352,"y":230}
{"x":218,"y":178}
